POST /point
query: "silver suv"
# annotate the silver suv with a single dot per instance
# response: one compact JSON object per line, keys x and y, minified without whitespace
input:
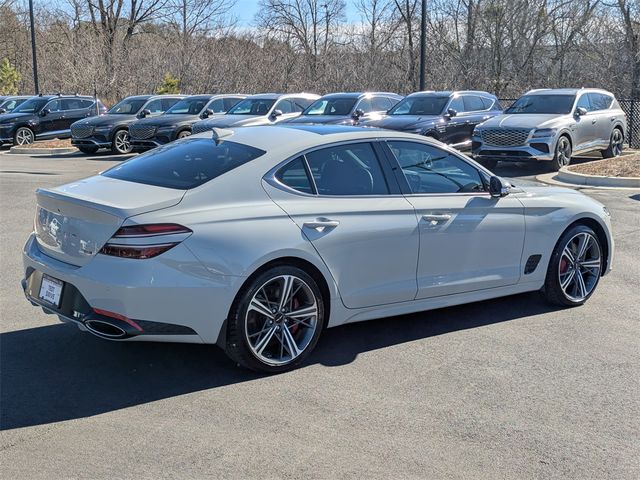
{"x":552,"y":125}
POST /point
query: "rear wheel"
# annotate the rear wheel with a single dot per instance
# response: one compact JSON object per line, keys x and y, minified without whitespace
{"x":276,"y":320}
{"x":121,"y":142}
{"x":616,"y":144}
{"x":23,"y":136}
{"x":562,"y":156}
{"x":575,"y":267}
{"x":88,"y":150}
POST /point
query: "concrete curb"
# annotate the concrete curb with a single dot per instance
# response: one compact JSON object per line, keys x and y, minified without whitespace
{"x":567,"y":176}
{"x":553,"y":179}
{"x":41,"y":151}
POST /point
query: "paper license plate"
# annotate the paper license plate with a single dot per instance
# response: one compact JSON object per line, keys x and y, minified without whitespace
{"x":51,"y":290}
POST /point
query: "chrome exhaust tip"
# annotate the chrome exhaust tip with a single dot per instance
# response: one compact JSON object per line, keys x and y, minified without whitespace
{"x":105,"y":329}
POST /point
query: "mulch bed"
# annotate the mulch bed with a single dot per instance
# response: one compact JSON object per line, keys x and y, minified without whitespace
{"x":49,"y":144}
{"x":624,"y":166}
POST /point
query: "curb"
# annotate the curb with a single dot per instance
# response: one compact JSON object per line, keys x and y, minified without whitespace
{"x":41,"y":151}
{"x":567,"y":176}
{"x":554,"y":179}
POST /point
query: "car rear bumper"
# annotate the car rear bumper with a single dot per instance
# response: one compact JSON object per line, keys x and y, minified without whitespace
{"x":169,"y":298}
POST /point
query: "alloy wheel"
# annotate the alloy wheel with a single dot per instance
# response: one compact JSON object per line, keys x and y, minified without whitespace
{"x":579,"y":266}
{"x":563,"y":151}
{"x":617,"y":141}
{"x":184,"y":134}
{"x":24,"y":136}
{"x":122,"y":142}
{"x":281,"y":320}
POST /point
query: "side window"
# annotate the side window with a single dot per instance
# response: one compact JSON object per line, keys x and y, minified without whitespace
{"x":301,"y":104}
{"x":71,"y":104}
{"x":217,"y":106}
{"x":429,"y":169}
{"x":365,"y":105}
{"x":380,"y":104}
{"x":487,"y":103}
{"x":284,"y":106}
{"x":294,"y":175}
{"x":154,"y":106}
{"x":167,"y":103}
{"x":54,"y":106}
{"x":86,"y":103}
{"x":600,"y":101}
{"x":584,"y":102}
{"x":457,"y":104}
{"x":347,"y":170}
{"x":230,"y":102}
{"x":472,"y":103}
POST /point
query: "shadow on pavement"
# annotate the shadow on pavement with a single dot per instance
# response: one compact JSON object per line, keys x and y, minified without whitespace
{"x":56,"y":373}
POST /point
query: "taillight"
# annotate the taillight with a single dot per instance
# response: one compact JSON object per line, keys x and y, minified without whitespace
{"x":144,"y":241}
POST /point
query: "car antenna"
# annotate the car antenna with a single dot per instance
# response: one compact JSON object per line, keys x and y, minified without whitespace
{"x":219,"y":133}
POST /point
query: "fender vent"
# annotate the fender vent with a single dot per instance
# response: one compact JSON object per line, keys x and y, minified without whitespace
{"x":532,"y":263}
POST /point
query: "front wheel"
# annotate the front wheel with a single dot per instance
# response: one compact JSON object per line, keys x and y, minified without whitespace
{"x":562,"y":156}
{"x":616,"y":143}
{"x":183,"y":134}
{"x":121,"y":142}
{"x":575,"y":267}
{"x":23,"y":136}
{"x":276,"y":320}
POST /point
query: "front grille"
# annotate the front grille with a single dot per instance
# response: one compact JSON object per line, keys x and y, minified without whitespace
{"x":505,"y":137}
{"x":200,"y":127}
{"x":142,"y":131}
{"x":81,"y":131}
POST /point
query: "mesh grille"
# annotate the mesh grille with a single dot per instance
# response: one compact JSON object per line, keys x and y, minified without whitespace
{"x":200,"y":127}
{"x":81,"y":131}
{"x":505,"y":137}
{"x":142,"y":131}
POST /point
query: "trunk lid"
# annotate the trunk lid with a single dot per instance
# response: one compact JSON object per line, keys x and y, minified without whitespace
{"x":74,"y":221}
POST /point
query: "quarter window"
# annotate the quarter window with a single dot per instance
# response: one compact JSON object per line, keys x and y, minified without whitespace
{"x":347,"y":170}
{"x":472,"y":103}
{"x":294,"y":175}
{"x":431,"y":170}
{"x":600,"y":101}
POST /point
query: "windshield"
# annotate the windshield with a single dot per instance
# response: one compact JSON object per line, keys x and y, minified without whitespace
{"x":553,"y":104}
{"x":32,"y":105}
{"x":10,"y":104}
{"x":424,"y":105}
{"x":184,"y":165}
{"x":331,"y":106}
{"x":190,"y":106}
{"x":128,"y":106}
{"x":252,"y":106}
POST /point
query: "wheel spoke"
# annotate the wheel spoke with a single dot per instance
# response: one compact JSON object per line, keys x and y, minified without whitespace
{"x":567,"y":252}
{"x":264,"y":341}
{"x":303,"y":312}
{"x":564,"y":283}
{"x":583,"y":246}
{"x":591,"y":263}
{"x":285,"y":293}
{"x":580,"y":286}
{"x":261,"y":308}
{"x":291,"y":344}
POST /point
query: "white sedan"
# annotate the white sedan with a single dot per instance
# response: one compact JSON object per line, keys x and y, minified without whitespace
{"x":258,"y":238}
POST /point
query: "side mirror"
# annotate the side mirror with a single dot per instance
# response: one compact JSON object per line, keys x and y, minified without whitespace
{"x":44,"y":112}
{"x":451,"y":112}
{"x":206,"y":114}
{"x":580,"y":111}
{"x":2,"y":110}
{"x":276,"y":113}
{"x":497,"y":188}
{"x":144,"y":113}
{"x":357,"y":114}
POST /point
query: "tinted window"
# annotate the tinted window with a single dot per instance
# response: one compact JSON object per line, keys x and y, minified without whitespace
{"x":87,"y":103}
{"x":284,"y":106}
{"x":472,"y":103}
{"x":584,"y":102}
{"x":487,"y":103}
{"x":331,"y":106}
{"x":380,"y":104}
{"x":252,"y":106}
{"x":457,"y":104}
{"x":31,"y":106}
{"x":301,"y":104}
{"x":230,"y":102}
{"x":186,"y":164}
{"x":365,"y":105}
{"x":217,"y":106}
{"x":155,"y":106}
{"x":294,"y":175}
{"x":167,"y":103}
{"x":347,"y":170}
{"x":552,"y":104}
{"x":432,"y":170}
{"x":72,"y":104}
{"x":423,"y":105}
{"x":600,"y":101}
{"x":54,"y":106}
{"x":127,"y":106}
{"x":190,"y":106}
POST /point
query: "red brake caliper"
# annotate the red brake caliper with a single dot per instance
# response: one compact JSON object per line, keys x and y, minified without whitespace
{"x":563,"y":265}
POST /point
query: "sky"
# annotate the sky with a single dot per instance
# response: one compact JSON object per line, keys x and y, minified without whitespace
{"x":245,"y":10}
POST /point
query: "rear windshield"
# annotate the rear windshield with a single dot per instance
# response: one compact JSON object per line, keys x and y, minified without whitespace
{"x":542,"y":104}
{"x":184,"y":165}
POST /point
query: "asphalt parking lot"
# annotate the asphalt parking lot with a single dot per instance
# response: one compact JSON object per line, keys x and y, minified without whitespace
{"x":509,"y":388}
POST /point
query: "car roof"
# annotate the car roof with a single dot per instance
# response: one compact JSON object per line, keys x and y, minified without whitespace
{"x":359,"y":94}
{"x":565,"y":91}
{"x":278,"y":96}
{"x":449,"y":93}
{"x":62,"y":95}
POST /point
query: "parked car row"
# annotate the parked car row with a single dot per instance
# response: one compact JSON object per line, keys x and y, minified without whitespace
{"x":545,"y":125}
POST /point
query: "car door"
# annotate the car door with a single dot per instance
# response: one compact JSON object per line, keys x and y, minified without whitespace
{"x":74,"y":109}
{"x":475,"y":113}
{"x":454,"y":127}
{"x":352,"y":212}
{"x":585,"y":133}
{"x":600,"y":107}
{"x":53,"y":121}
{"x":288,"y":109}
{"x":468,"y":240}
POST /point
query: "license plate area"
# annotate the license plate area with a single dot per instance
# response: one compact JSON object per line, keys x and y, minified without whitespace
{"x":51,"y":290}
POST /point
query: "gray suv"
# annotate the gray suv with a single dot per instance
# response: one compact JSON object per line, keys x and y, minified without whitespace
{"x":552,"y":125}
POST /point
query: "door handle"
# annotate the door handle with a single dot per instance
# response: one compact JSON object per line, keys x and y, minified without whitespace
{"x":437,"y":218}
{"x":593,"y":122}
{"x":320,"y":224}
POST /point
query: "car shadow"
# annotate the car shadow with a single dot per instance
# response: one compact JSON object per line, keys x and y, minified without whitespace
{"x":56,"y":373}
{"x":533,"y":168}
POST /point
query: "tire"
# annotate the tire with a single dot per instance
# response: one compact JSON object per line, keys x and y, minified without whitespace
{"x":121,"y":143}
{"x":616,"y":144}
{"x":562,"y":286}
{"x":183,"y":134}
{"x":88,"y":150}
{"x":256,"y":337}
{"x":562,"y":156}
{"x":24,"y":136}
{"x":488,"y":163}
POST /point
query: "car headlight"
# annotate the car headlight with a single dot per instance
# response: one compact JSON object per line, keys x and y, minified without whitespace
{"x":544,"y":132}
{"x":476,"y":132}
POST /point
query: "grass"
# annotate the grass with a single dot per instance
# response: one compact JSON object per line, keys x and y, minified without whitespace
{"x":624,"y":166}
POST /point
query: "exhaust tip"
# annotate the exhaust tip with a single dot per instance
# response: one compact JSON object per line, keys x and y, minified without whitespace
{"x":104,"y":329}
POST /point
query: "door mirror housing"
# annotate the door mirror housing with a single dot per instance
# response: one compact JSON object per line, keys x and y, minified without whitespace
{"x":206,"y":114}
{"x":451,"y":112}
{"x":44,"y":112}
{"x":498,"y":188}
{"x":276,"y":113}
{"x":2,"y":110}
{"x":144,"y":113}
{"x":580,"y":111}
{"x":357,"y":113}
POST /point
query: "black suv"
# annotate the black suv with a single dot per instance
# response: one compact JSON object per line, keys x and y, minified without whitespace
{"x":111,"y":130}
{"x":176,"y":122}
{"x":45,"y":117}
{"x":446,"y":116}
{"x":347,"y":108}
